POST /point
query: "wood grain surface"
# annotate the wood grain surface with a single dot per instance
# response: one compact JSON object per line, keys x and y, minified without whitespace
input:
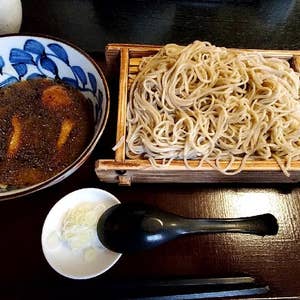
{"x":275,"y":260}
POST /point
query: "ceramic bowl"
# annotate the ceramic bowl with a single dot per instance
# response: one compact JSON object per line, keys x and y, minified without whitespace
{"x":24,"y":57}
{"x":57,"y":252}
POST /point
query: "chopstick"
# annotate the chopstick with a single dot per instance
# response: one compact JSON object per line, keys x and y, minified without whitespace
{"x":184,"y":288}
{"x":206,"y":295}
{"x":190,"y":282}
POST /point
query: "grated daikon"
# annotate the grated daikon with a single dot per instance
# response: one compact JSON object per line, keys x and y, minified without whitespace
{"x":79,"y":228}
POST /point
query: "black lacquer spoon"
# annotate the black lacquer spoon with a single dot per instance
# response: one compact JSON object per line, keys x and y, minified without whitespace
{"x":131,"y":227}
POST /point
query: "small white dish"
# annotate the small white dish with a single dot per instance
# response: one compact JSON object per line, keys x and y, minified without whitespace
{"x":59,"y":255}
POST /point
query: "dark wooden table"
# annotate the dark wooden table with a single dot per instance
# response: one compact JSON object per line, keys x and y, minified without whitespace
{"x":91,"y":25}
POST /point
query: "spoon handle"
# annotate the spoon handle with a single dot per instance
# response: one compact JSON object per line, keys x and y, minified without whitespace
{"x":265,"y":224}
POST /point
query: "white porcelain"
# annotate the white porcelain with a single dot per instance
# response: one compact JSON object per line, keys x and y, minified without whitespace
{"x":59,"y":256}
{"x":10,"y":16}
{"x":25,"y":57}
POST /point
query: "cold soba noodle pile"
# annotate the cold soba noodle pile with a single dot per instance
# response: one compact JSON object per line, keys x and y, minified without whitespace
{"x":212,"y":104}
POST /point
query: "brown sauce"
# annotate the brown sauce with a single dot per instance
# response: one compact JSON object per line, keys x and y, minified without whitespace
{"x":44,"y":126}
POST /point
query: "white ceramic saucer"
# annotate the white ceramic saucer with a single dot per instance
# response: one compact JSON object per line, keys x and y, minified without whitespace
{"x":60,"y":257}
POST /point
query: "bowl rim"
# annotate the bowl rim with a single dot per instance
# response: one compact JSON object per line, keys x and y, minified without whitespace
{"x":81,"y":159}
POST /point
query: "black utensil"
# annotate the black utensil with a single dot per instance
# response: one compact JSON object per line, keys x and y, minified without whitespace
{"x":132,"y":227}
{"x":181,"y":288}
{"x":168,"y":288}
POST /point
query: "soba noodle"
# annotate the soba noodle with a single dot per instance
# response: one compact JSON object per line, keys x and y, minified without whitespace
{"x":212,"y":104}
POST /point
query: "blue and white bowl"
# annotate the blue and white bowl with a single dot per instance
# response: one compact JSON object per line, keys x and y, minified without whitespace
{"x":25,"y":57}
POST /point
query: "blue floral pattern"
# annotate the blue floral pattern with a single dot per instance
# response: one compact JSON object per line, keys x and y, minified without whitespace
{"x":42,"y":61}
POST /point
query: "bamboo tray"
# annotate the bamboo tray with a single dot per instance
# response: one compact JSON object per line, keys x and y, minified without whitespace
{"x":126,"y":58}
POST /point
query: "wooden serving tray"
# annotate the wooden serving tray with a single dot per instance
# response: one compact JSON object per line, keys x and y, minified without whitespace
{"x":125,"y":171}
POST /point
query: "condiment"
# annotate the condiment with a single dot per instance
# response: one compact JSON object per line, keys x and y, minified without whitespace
{"x":44,"y":127}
